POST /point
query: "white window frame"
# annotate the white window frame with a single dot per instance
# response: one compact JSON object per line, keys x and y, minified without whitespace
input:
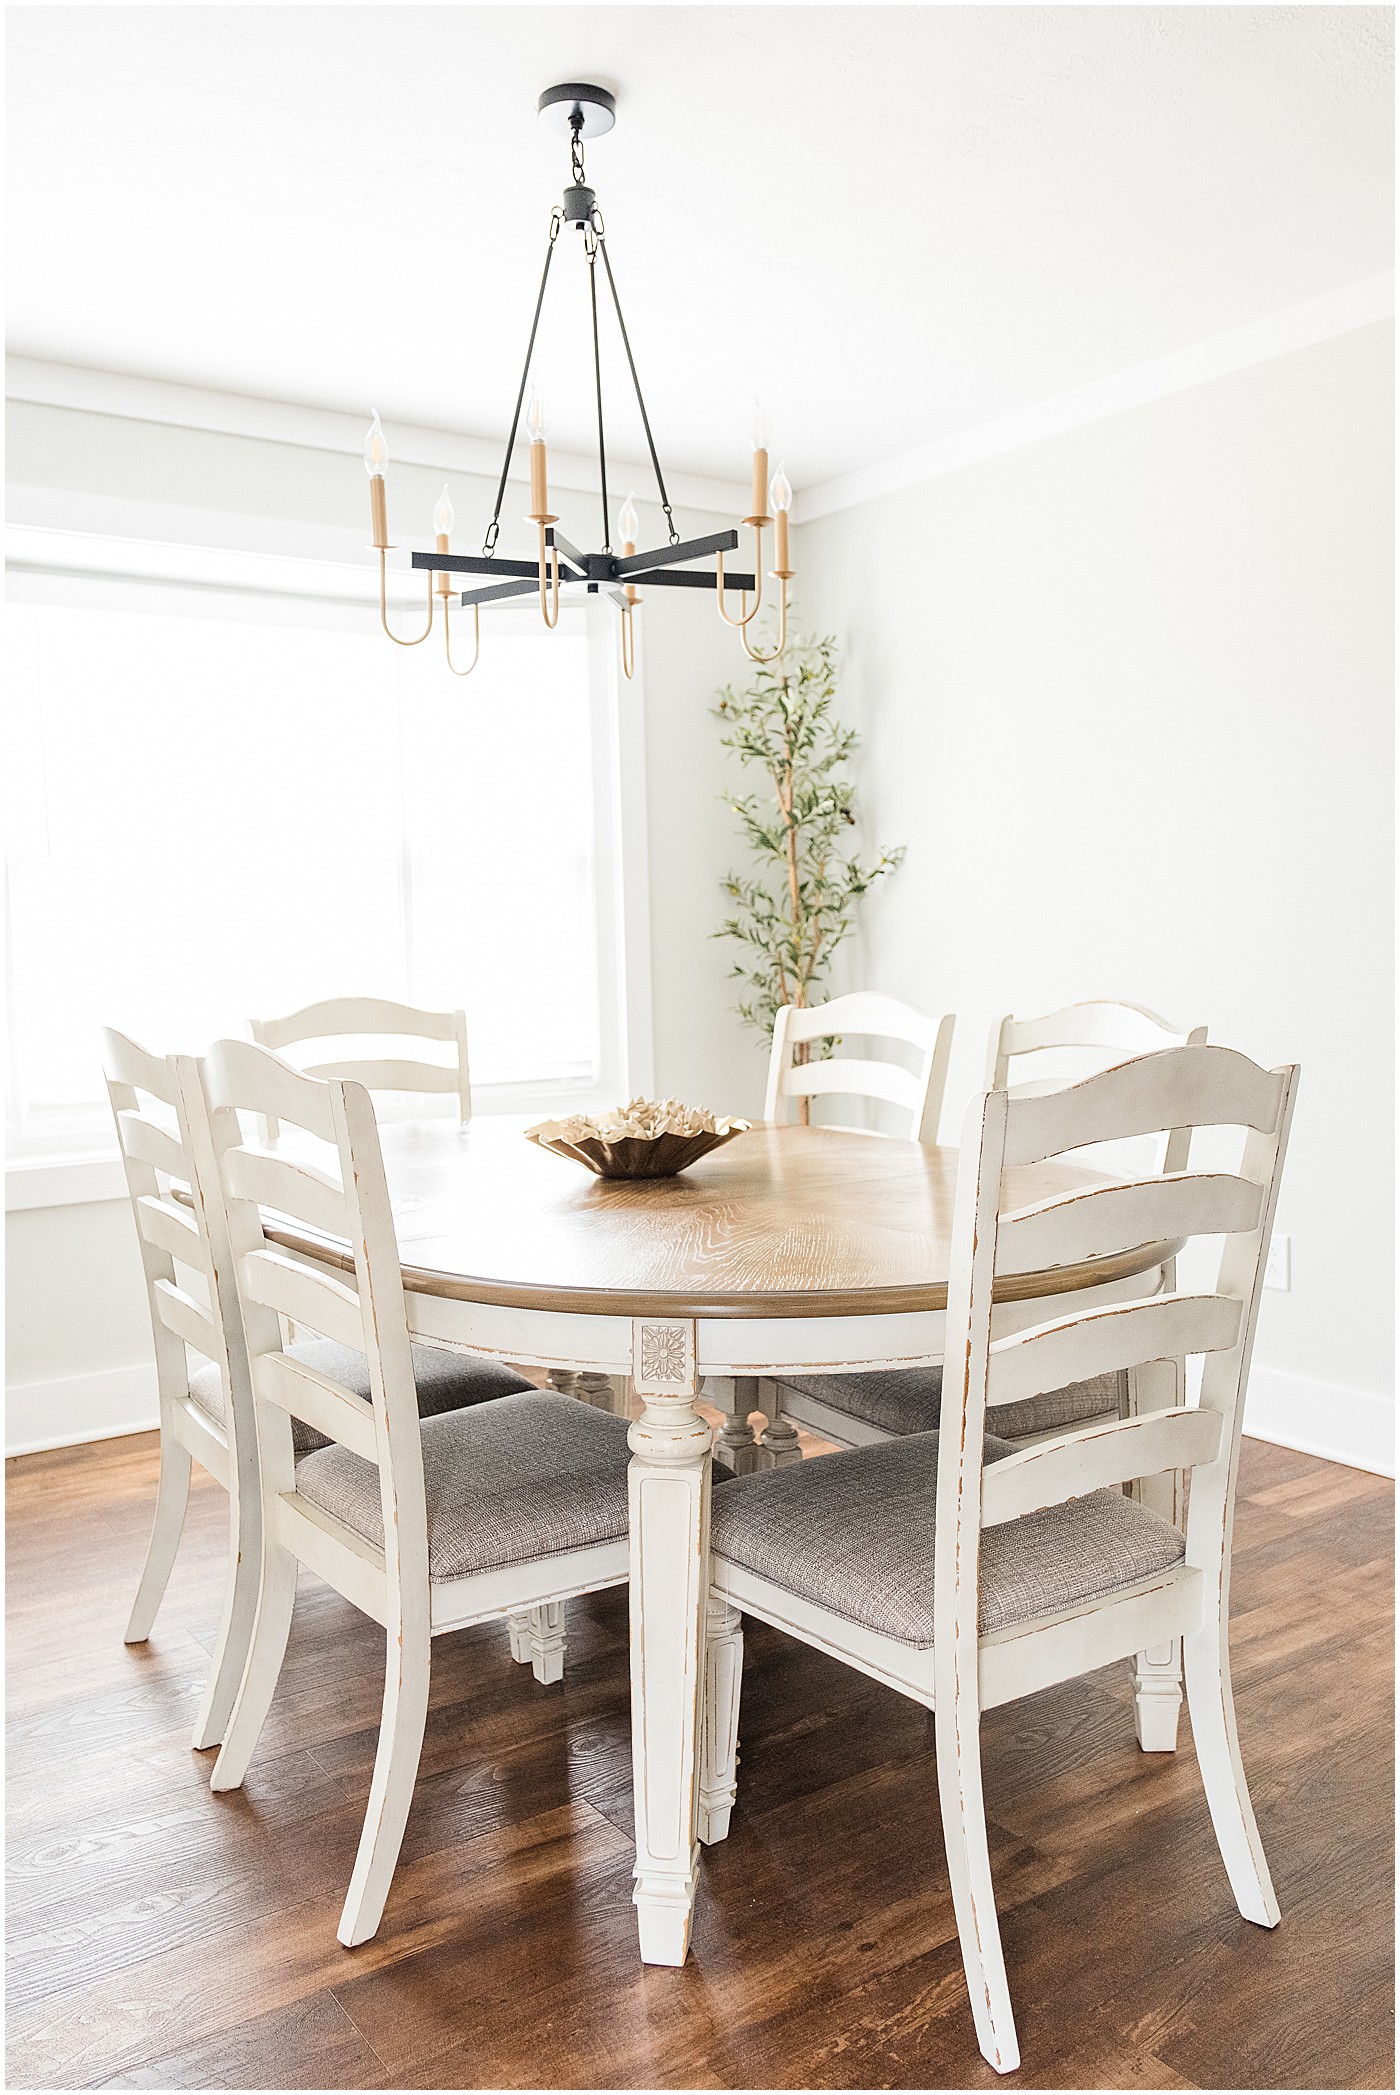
{"x":106,"y":567}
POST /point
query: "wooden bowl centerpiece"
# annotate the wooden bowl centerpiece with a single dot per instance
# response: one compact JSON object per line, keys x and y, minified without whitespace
{"x":650,"y":1138}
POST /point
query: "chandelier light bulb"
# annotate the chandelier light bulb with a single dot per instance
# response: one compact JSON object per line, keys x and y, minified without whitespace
{"x":443,"y":515}
{"x":627,"y":522}
{"x":761,"y":428}
{"x":376,"y":450}
{"x":780,"y":491}
{"x":537,"y":416}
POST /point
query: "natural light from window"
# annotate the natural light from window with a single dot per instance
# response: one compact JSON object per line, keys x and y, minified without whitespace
{"x":218,"y":818}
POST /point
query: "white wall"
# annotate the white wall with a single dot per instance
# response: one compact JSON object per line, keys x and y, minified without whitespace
{"x":78,"y":1360}
{"x":1126,"y":693}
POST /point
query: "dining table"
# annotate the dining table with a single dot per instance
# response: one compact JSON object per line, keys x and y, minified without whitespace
{"x":790,"y":1250}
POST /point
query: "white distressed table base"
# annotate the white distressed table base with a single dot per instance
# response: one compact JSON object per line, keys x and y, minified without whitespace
{"x":668,"y":1488}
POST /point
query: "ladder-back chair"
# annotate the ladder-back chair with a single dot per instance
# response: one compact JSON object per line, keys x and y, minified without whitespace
{"x":206,"y":1411}
{"x":374,"y":1019}
{"x":918,"y":1093}
{"x":967,"y":1581}
{"x":864,"y":1013}
{"x":507,"y":1508}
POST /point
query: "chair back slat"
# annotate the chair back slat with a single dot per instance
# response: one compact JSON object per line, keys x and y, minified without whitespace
{"x":147,"y":1142}
{"x":319,"y":1401}
{"x":1099,"y":1220}
{"x":389,"y":1076}
{"x":866,"y":1015}
{"x":851,"y":1077}
{"x":297,"y":1189}
{"x":172,"y":1230}
{"x":187,"y":1319}
{"x":1103,"y":1340}
{"x":1147,"y":1096}
{"x":1111,"y":1451}
{"x":306,"y":1296}
{"x":340,"y":1015}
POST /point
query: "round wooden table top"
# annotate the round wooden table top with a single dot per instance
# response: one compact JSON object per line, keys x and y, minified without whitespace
{"x":781,"y":1222}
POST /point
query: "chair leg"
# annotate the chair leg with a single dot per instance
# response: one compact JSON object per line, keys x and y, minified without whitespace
{"x":779,"y":1446}
{"x":1211,"y":1701}
{"x":236,"y":1626}
{"x":391,"y":1790}
{"x":545,"y":1637}
{"x":172,"y":1496}
{"x":276,"y":1599}
{"x":970,"y":1873}
{"x":519,"y":1628}
{"x":719,"y":1718}
{"x":1157,"y":1673}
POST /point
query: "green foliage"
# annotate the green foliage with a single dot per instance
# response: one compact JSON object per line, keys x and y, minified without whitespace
{"x":797,"y":904}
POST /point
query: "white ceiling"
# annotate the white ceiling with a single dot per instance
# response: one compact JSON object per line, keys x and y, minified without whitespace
{"x":894,"y":223}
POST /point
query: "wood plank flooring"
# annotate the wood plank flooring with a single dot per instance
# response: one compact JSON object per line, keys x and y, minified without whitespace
{"x":161,"y":1937}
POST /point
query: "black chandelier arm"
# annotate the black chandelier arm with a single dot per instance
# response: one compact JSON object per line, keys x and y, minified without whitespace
{"x":689,"y":578}
{"x":687,"y":549}
{"x":499,"y":590}
{"x":568,"y":553}
{"x":493,"y":529}
{"x":636,"y":382}
{"x":598,"y":384}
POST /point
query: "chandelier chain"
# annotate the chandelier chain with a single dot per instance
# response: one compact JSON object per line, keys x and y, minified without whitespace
{"x":493,"y":529}
{"x":576,"y":149}
{"x":636,"y":382}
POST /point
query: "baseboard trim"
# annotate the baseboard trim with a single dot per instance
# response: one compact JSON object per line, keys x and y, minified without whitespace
{"x":1353,"y":1426}
{"x":70,"y":1409}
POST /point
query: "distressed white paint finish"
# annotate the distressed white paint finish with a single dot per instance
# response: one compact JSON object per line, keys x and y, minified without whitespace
{"x":669,"y":1511}
{"x":350,"y":1196}
{"x":155,"y":1159}
{"x":964,"y":1673}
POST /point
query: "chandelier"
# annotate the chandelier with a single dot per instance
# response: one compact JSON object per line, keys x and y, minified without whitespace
{"x":558,"y":566}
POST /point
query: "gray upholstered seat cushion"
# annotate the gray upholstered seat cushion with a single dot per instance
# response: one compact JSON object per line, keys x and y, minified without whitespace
{"x":446,"y":1381}
{"x":854,"y":1533}
{"x":907,"y":1400}
{"x":522,"y":1477}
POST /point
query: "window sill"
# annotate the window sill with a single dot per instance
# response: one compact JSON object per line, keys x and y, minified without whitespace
{"x":82,"y":1178}
{"x":77,"y":1180}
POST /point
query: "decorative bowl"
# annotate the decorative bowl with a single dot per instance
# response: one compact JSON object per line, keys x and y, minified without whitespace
{"x":646,"y":1139}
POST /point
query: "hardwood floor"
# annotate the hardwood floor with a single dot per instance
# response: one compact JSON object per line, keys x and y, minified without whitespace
{"x":161,"y":1937}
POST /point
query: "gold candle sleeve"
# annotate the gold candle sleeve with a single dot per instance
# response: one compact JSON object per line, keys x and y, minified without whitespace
{"x":760,"y":484}
{"x":539,"y":486}
{"x":444,"y":581}
{"x":628,"y":549}
{"x":781,"y":567}
{"x":378,"y":512}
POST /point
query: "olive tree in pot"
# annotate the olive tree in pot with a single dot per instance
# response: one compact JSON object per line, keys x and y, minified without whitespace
{"x":796,"y":904}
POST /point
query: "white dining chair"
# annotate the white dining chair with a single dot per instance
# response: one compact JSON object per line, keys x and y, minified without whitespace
{"x":965,"y":1582}
{"x":796,"y":1077}
{"x":858,"y":1410}
{"x":506,"y":1509}
{"x":793,"y":1082}
{"x":375,"y":1019}
{"x":206,"y":1410}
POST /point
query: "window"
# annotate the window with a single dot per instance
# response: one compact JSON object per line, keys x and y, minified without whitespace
{"x":226,"y":809}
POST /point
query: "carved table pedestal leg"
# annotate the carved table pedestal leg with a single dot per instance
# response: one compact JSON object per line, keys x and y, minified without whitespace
{"x":669,"y":1517}
{"x":735,"y":1445}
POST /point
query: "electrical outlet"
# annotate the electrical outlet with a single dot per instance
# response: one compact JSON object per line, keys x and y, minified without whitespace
{"x":1277,"y":1264}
